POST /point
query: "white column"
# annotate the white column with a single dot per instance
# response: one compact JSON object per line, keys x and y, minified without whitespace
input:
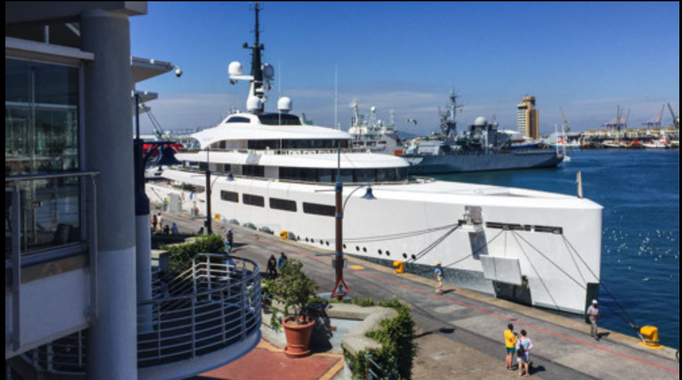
{"x":112,"y":344}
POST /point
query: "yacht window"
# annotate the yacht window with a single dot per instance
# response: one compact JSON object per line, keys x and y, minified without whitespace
{"x":346,"y":175}
{"x":364,"y":175}
{"x":385,"y":175}
{"x":238,"y":119}
{"x":282,"y":204}
{"x":253,"y":170}
{"x":400,"y":174}
{"x":318,"y":209}
{"x":253,"y":200}
{"x":325,"y":175}
{"x":263,"y":144}
{"x":279,"y":119}
{"x":229,"y":196}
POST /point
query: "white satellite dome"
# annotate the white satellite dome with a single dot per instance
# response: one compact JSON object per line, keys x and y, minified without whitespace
{"x":284,"y":104}
{"x":268,"y":71}
{"x":253,"y":104}
{"x":235,"y":68}
{"x":480,"y":121}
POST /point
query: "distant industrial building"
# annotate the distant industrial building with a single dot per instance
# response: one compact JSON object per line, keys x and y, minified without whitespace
{"x":528,"y":118}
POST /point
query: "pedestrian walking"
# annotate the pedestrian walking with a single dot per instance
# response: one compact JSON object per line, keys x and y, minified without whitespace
{"x":438,"y":275}
{"x":281,"y":261}
{"x":272,"y":267}
{"x":174,"y":229}
{"x":510,"y":338}
{"x":523,"y":347}
{"x":230,"y":238}
{"x":155,"y":222}
{"x":159,"y":220}
{"x":593,"y":314}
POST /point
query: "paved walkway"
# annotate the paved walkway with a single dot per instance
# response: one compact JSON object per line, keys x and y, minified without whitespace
{"x":461,"y":331}
{"x":268,"y":362}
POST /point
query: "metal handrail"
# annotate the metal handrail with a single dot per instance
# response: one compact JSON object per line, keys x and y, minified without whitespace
{"x":224,"y":311}
{"x":33,"y":177}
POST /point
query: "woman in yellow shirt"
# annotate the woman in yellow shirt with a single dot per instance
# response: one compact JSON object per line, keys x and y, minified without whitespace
{"x":510,"y":338}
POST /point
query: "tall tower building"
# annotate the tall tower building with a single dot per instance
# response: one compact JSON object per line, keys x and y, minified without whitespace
{"x":528,"y":118}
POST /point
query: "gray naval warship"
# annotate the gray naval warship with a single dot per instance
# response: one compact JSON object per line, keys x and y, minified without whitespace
{"x":481,"y":147}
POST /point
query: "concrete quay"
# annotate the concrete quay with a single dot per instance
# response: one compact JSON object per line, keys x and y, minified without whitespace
{"x":460,"y":332}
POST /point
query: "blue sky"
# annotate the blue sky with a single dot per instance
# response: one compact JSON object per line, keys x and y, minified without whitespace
{"x":587,"y":58}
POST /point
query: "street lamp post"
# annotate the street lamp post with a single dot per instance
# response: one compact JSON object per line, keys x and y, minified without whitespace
{"x":340,"y":207}
{"x":339,"y":227}
{"x":209,"y":224}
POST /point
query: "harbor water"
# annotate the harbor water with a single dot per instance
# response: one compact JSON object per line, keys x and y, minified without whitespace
{"x":639,"y":190}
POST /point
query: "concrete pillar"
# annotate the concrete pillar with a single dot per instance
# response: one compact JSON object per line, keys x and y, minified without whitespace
{"x":112,"y":344}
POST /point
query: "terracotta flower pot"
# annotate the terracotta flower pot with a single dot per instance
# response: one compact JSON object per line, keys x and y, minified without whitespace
{"x":298,"y":338}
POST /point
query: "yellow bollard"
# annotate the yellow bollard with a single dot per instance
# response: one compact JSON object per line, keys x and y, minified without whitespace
{"x":399,"y":267}
{"x":284,"y":235}
{"x":650,"y":337}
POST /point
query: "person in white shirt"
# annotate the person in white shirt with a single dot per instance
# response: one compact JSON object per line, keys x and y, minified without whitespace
{"x":593,"y":313}
{"x":523,"y":346}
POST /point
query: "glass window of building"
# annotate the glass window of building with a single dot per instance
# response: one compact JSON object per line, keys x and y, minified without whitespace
{"x":42,"y":137}
{"x":41,"y":118}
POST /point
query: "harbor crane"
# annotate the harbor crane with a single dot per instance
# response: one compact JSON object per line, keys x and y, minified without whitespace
{"x":656,"y":122}
{"x":676,"y":119}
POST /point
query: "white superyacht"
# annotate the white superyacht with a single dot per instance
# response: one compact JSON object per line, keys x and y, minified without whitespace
{"x":272,"y":170}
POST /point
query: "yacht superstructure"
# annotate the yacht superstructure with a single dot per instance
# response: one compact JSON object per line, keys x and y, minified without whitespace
{"x":272,"y":171}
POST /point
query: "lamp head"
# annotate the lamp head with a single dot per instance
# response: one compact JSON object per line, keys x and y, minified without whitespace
{"x":368,"y":194}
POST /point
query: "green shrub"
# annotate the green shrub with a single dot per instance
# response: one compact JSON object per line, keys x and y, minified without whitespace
{"x":396,"y":335}
{"x":182,"y":254}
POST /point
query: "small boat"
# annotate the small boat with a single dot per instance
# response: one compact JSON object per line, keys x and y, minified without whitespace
{"x":662,"y":143}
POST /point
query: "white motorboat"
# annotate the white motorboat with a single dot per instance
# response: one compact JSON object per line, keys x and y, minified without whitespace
{"x":272,"y":172}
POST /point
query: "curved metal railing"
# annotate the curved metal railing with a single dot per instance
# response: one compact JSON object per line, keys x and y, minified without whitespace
{"x":213,"y":305}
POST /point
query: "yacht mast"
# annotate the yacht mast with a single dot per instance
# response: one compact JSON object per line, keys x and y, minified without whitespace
{"x":256,"y":61}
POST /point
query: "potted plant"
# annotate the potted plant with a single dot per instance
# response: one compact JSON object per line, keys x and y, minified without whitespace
{"x":292,"y":290}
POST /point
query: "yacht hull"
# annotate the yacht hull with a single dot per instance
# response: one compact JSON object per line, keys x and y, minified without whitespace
{"x":545,"y":245}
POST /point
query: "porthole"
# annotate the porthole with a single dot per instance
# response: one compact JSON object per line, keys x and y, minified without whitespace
{"x":388,"y":253}
{"x":357,"y":248}
{"x":327,"y":244}
{"x":306,"y":240}
{"x":380,"y":252}
{"x":344,"y":246}
{"x":414,"y":257}
{"x":364,"y":249}
{"x":404,"y":255}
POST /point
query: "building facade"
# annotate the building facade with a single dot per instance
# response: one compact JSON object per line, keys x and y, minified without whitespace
{"x":73,"y":257}
{"x":528,"y":118}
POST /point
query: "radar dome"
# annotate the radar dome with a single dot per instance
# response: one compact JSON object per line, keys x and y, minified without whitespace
{"x":253,"y":104}
{"x":284,"y":104}
{"x":235,"y":68}
{"x":268,"y":71}
{"x":480,"y":121}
